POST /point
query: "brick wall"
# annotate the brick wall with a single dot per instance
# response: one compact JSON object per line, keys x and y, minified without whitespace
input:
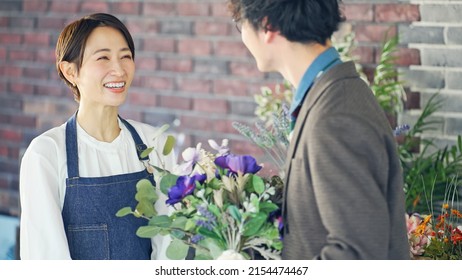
{"x":192,"y":70}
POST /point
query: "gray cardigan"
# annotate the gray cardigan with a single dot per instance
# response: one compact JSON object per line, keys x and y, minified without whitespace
{"x":344,"y":194}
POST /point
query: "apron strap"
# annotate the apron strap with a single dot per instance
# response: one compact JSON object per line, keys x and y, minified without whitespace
{"x":71,"y":148}
{"x":140,"y":146}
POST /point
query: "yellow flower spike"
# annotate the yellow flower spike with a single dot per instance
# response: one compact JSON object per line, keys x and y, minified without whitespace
{"x":445,"y":206}
{"x":427,"y":219}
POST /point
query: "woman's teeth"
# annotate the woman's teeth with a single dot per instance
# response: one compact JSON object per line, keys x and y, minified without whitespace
{"x":115,"y":85}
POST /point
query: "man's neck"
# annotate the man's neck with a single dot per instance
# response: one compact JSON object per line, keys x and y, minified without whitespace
{"x":298,"y":58}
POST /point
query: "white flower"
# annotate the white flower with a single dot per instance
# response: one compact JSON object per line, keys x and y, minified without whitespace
{"x":230,"y":255}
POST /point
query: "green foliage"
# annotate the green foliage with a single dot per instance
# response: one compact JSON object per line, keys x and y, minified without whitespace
{"x":428,"y":171}
{"x":386,"y":86}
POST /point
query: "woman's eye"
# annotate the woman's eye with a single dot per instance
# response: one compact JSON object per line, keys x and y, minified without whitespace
{"x":103,"y":58}
{"x":127,"y":56}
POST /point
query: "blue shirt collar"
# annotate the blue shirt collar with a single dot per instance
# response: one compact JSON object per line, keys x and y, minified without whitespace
{"x":321,"y":64}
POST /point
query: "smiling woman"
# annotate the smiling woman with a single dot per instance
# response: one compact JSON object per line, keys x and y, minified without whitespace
{"x":75,"y":177}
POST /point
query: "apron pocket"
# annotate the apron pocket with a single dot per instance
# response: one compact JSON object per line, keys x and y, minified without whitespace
{"x":88,"y":242}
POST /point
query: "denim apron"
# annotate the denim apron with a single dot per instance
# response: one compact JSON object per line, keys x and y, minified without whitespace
{"x":93,"y":231}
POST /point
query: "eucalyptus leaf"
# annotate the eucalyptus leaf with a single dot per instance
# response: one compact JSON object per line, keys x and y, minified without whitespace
{"x":258,"y":184}
{"x":124,"y":212}
{"x":167,"y":182}
{"x":179,"y":222}
{"x":160,"y":131}
{"x":147,"y":231}
{"x":162,"y":221}
{"x":169,"y":145}
{"x":146,"y":152}
{"x":177,"y":250}
{"x":146,"y":208}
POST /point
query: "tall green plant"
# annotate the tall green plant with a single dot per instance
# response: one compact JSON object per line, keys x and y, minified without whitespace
{"x":387,"y":87}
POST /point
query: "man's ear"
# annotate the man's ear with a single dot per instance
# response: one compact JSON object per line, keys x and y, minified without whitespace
{"x":69,"y":71}
{"x":269,"y":36}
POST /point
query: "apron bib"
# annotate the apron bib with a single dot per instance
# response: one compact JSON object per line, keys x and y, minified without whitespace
{"x":93,"y":231}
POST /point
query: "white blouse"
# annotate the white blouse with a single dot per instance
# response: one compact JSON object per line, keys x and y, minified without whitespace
{"x":43,"y":176}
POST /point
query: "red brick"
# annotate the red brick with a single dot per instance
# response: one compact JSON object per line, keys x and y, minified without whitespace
{"x":159,"y":9}
{"x":34,"y":6}
{"x":22,"y":22}
{"x":39,"y":39}
{"x":194,"y":85}
{"x":93,"y":6}
{"x":158,"y":82}
{"x":4,"y":21}
{"x":59,"y":6}
{"x":206,"y":28}
{"x":211,"y":105}
{"x":195,"y":123}
{"x":406,"y":57}
{"x":230,"y":87}
{"x":220,"y":10}
{"x":15,"y":55}
{"x":231,"y":48}
{"x":36,"y":73}
{"x":132,"y":8}
{"x":245,"y":69}
{"x":412,"y":100}
{"x":364,"y":54}
{"x":223,"y":126}
{"x":175,"y":102}
{"x":146,"y":63}
{"x":3,"y":153}
{"x":194,"y":47}
{"x":10,"y":135}
{"x":142,"y":26}
{"x":11,"y":71}
{"x":50,"y":22}
{"x":176,"y":65}
{"x":373,"y":32}
{"x":21,"y":88}
{"x":136,"y":97}
{"x":193,"y":9}
{"x":23,"y":121}
{"x":10,"y":39}
{"x":46,"y":55}
{"x":2,"y":53}
{"x":159,"y":45}
{"x":49,"y":90}
{"x":397,"y":13}
{"x":358,"y":12}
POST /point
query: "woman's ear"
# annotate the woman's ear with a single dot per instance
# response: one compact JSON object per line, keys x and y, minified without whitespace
{"x":69,"y":71}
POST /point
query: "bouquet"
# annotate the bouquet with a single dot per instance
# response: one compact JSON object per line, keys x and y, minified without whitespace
{"x":437,"y":237}
{"x":221,"y":208}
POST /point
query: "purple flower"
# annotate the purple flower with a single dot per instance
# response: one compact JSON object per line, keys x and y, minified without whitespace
{"x":243,"y":164}
{"x":185,"y":186}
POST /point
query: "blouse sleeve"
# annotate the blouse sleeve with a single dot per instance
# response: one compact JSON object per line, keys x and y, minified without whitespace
{"x":42,"y":233}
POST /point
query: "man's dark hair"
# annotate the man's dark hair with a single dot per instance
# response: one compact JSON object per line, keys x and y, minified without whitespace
{"x":301,"y":21}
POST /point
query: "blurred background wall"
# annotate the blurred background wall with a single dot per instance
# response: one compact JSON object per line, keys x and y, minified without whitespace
{"x":194,"y":73}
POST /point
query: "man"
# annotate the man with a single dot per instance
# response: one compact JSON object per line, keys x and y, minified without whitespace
{"x":344,"y":194}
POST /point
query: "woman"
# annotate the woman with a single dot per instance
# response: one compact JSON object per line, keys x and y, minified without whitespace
{"x":75,"y":177}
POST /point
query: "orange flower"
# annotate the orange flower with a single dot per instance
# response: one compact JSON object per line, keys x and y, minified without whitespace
{"x":456,"y":236}
{"x":445,"y":206}
{"x":440,"y":224}
{"x":456,"y":213}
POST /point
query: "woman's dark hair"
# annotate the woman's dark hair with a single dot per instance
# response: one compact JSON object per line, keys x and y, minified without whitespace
{"x":72,"y":40}
{"x":303,"y":21}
